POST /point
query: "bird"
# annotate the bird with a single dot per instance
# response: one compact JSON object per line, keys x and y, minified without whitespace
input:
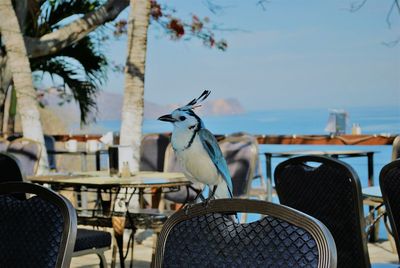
{"x":197,"y":150}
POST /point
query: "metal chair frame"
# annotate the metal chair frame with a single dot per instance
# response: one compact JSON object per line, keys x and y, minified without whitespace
{"x":14,"y":166}
{"x":388,"y":193}
{"x":321,"y":235}
{"x":98,"y":251}
{"x":66,"y":210}
{"x":261,"y":191}
{"x":308,"y":202}
{"x":154,"y":141}
{"x":396,"y":148}
{"x":27,"y":141}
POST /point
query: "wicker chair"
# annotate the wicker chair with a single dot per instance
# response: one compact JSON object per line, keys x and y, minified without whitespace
{"x":28,"y":153}
{"x":152,"y":152}
{"x":396,"y":148}
{"x":389,"y":180}
{"x":330,"y":192}
{"x":206,"y":236}
{"x":242,"y":156}
{"x":87,"y":241}
{"x":36,"y":232}
{"x":10,"y":168}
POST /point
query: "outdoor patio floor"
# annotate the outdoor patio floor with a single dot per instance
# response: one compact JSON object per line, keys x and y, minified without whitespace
{"x":380,"y":252}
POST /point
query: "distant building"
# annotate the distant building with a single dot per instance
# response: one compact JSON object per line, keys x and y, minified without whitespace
{"x":337,"y":122}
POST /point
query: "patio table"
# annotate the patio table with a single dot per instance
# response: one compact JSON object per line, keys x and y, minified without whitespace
{"x":101,"y":180}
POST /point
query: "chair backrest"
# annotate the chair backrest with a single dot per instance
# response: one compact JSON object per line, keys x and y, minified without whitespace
{"x":28,"y":153}
{"x":152,"y":152}
{"x":329,"y":190}
{"x":10,"y":168}
{"x":241,"y":154}
{"x":389,"y":180}
{"x":208,"y":236}
{"x":35,"y":232}
{"x":396,"y":148}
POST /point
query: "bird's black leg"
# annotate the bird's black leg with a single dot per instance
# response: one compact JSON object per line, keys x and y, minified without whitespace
{"x":199,"y":195}
{"x":211,"y":195}
{"x":191,"y":203}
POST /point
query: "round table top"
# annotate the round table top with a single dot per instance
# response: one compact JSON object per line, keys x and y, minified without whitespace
{"x":318,"y":152}
{"x":101,"y":179}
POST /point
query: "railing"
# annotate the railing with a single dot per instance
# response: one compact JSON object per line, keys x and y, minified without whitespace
{"x":327,"y":139}
{"x":286,"y":139}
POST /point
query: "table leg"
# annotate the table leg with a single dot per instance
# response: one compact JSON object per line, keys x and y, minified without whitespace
{"x":370,"y":169}
{"x":268,"y":165}
{"x":374,"y":234}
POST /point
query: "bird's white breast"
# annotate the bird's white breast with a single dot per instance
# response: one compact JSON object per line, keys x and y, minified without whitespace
{"x":196,"y":161}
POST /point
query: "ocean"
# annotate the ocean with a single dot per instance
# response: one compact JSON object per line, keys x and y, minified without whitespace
{"x":372,"y":120}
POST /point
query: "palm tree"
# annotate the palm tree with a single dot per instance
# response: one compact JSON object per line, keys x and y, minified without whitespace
{"x":46,"y":32}
{"x":21,"y":75}
{"x":81,"y":67}
{"x":34,"y":29}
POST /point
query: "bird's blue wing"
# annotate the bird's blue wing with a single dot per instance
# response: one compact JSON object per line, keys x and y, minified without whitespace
{"x":210,"y":144}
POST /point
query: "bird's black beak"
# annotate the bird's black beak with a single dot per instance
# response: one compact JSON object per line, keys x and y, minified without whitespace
{"x":166,"y":118}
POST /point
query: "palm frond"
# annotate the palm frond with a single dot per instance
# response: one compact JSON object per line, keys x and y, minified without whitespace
{"x":94,"y":63}
{"x":83,"y":91}
{"x":82,"y":66}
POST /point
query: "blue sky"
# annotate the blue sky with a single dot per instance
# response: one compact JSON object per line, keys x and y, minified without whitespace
{"x":294,"y":54}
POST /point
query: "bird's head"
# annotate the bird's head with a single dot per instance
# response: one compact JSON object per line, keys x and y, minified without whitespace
{"x":184,"y":117}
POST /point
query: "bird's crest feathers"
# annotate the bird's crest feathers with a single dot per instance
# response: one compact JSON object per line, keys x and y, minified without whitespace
{"x":195,"y":102}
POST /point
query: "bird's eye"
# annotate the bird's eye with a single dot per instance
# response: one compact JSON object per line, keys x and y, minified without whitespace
{"x":182,"y":118}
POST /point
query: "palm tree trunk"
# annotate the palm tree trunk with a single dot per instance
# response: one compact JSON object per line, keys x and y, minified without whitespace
{"x":133,"y":105}
{"x":22,"y":77}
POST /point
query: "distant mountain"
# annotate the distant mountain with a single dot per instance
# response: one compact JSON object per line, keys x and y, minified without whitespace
{"x":110,"y":106}
{"x":65,"y":118}
{"x":209,"y":108}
